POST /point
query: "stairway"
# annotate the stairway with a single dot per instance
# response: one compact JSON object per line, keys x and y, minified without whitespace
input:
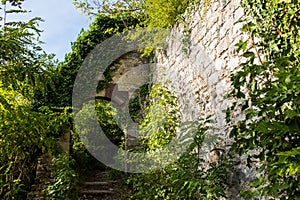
{"x":98,"y":185}
{"x":43,"y":178}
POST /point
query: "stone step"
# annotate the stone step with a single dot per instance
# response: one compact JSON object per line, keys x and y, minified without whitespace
{"x":94,"y":192}
{"x":35,"y":187}
{"x":100,"y":183}
{"x":35,"y":195}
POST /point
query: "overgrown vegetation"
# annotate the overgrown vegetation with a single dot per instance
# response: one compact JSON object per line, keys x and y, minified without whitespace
{"x":158,"y":16}
{"x":25,"y":132}
{"x":158,"y":13}
{"x":162,"y":119}
{"x":188,"y":177}
{"x":267,"y":91}
{"x":102,"y":27}
{"x":35,"y":95}
{"x":35,"y":100}
{"x":65,"y":179}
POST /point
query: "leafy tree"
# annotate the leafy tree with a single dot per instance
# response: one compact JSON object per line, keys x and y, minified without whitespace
{"x":102,"y":28}
{"x":13,"y":2}
{"x":94,"y":7}
{"x":157,"y":16}
{"x":267,"y":91}
{"x":158,"y":13}
{"x":24,"y":132}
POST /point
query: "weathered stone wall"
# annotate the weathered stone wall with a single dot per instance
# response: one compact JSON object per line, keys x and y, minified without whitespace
{"x":200,"y":76}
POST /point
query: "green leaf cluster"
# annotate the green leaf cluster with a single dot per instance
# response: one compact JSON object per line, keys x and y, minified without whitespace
{"x":267,"y":91}
{"x":158,"y":13}
{"x":25,"y":131}
{"x":162,"y":118}
{"x":65,"y":185}
{"x":188,"y":177}
{"x":157,"y":16}
{"x":106,"y":119}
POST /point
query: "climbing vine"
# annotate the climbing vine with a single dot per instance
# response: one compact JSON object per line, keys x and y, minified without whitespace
{"x":162,"y":118}
{"x":157,"y":17}
{"x":267,"y":91}
{"x":65,"y":182}
{"x":188,"y":177}
{"x":103,"y":27}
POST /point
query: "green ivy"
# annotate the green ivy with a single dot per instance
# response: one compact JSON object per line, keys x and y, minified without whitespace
{"x":267,"y":91}
{"x":161,"y":120}
{"x":188,"y":177}
{"x":65,"y":185}
{"x":156,"y":17}
{"x":103,"y":27}
{"x":139,"y":102}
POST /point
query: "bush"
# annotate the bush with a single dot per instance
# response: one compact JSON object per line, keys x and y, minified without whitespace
{"x":65,"y":179}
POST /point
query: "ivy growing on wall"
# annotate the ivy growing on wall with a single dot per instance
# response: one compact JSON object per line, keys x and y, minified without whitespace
{"x":158,"y":16}
{"x":103,"y":27}
{"x":188,"y":177}
{"x":162,"y":118}
{"x":267,"y":91}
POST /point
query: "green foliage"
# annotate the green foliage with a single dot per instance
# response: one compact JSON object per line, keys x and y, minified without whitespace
{"x":139,"y":102}
{"x":164,"y":13}
{"x":102,"y":28}
{"x":24,"y":135}
{"x":13,"y":2}
{"x":160,"y":16}
{"x":65,"y":183}
{"x":157,"y":16}
{"x":23,"y":64}
{"x":106,"y":118}
{"x":25,"y":131}
{"x":159,"y":13}
{"x":267,"y":91}
{"x":188,"y":177}
{"x":159,"y":125}
{"x":93,"y":8}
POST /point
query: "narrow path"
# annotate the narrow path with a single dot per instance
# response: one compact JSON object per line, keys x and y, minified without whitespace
{"x":99,"y":185}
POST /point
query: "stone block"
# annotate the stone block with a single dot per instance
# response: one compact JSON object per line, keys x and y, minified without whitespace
{"x":197,"y":34}
{"x":213,"y":31}
{"x":221,"y":88}
{"x":219,"y":64}
{"x":213,"y":44}
{"x":202,"y":60}
{"x":211,"y":21}
{"x":222,"y":46}
{"x":233,"y":63}
{"x":238,"y":14}
{"x":213,"y":79}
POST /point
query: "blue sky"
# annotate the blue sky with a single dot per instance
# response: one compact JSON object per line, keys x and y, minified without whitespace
{"x":62,"y":24}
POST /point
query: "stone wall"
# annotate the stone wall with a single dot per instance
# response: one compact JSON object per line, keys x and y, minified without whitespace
{"x":200,"y":76}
